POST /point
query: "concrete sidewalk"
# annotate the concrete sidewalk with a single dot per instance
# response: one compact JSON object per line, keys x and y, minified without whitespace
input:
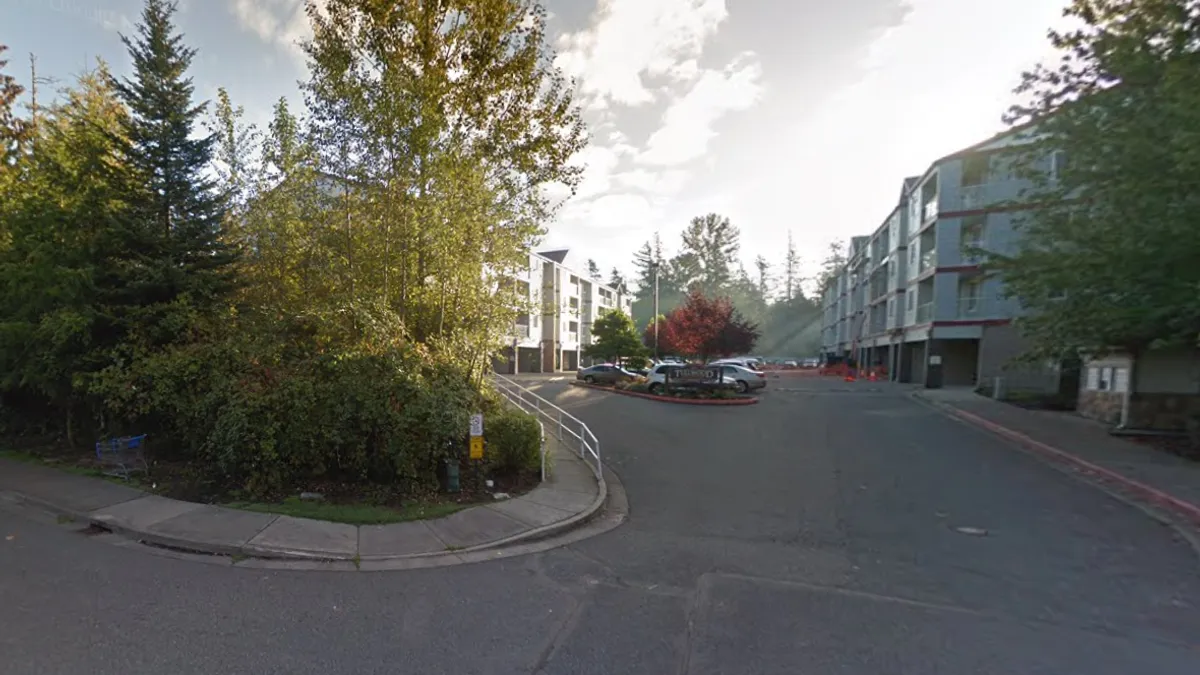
{"x":569,"y":497}
{"x":1168,"y":481}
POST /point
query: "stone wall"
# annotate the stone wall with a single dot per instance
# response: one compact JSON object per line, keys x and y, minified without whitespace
{"x":1102,"y":406}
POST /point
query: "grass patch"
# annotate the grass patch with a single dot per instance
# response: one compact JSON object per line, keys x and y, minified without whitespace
{"x":351,"y":514}
{"x":18,"y":456}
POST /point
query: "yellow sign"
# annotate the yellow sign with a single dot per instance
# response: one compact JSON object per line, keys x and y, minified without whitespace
{"x":477,"y":447}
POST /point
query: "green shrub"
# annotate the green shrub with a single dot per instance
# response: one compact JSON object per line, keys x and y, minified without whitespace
{"x":514,"y":441}
{"x":267,"y":414}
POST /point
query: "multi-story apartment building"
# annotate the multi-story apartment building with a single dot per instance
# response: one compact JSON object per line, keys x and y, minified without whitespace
{"x":917,"y":294}
{"x":563,"y":305}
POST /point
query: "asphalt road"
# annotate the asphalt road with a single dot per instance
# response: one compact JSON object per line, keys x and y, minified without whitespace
{"x":815,"y":533}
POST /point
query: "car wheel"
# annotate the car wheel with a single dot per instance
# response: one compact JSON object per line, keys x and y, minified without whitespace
{"x":589,"y":379}
{"x":743,"y":386}
{"x":656,"y":388}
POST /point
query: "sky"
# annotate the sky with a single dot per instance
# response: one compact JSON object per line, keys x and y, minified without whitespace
{"x":801,"y":116}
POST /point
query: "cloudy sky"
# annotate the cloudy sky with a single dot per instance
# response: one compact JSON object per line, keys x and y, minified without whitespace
{"x":785,"y":115}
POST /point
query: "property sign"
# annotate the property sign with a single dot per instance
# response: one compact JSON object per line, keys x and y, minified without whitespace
{"x":476,"y":447}
{"x":689,"y":375}
{"x":476,"y":425}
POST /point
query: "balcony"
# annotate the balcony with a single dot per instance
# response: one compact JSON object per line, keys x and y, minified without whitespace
{"x":974,"y":307}
{"x":925,"y":313}
{"x":969,"y":256}
{"x":878,"y":324}
{"x":929,"y":210}
{"x":927,"y":261}
{"x":985,"y":195}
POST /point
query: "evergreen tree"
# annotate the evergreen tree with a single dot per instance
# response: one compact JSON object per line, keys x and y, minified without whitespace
{"x":180,"y":212}
{"x":713,"y":244}
{"x":63,"y":281}
{"x":764,"y":278}
{"x":616,"y":280}
{"x":791,"y":270}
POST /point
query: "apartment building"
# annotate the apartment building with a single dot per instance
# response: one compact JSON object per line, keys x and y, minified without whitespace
{"x":564,"y":303}
{"x":912,"y":294}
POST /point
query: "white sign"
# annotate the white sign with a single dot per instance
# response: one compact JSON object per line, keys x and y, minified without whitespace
{"x":477,"y":424}
{"x":935,"y":360}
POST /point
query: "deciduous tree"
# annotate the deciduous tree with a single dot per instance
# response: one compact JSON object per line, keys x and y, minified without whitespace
{"x":443,"y":121}
{"x":615,"y":337}
{"x":14,"y":131}
{"x":705,"y":327}
{"x":1108,"y":259}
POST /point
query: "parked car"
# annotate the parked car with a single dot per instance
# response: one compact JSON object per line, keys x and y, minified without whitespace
{"x":658,"y":378}
{"x":745,"y":379}
{"x":751,"y":364}
{"x":812,"y":362}
{"x":604,"y":373}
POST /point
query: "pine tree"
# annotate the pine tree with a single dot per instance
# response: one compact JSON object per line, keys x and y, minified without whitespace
{"x":713,"y":243}
{"x":791,"y":270}
{"x":764,"y":279}
{"x":180,"y":211}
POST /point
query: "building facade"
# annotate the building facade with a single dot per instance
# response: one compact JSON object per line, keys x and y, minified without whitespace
{"x":564,"y":303}
{"x":913,"y":295}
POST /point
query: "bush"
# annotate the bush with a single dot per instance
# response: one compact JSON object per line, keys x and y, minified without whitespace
{"x":514,"y":441}
{"x":266,"y":414}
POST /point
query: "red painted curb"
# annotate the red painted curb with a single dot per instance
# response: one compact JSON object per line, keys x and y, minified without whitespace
{"x":668,"y":399}
{"x":1186,"y":509}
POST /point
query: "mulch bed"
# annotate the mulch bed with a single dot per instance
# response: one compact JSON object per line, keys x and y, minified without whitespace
{"x":1176,"y":445}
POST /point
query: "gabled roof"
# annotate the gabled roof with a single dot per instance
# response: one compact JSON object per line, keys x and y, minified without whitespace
{"x":557,"y":255}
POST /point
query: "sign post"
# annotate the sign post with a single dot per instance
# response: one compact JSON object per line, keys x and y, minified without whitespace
{"x":476,"y":436}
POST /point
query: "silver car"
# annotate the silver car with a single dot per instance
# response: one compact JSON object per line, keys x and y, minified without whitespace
{"x":604,"y":374}
{"x":745,"y":378}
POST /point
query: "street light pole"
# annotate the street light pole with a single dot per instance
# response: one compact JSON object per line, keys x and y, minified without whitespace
{"x":655,"y":312}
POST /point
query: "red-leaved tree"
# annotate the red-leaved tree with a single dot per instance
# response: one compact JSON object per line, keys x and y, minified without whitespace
{"x":706,"y":327}
{"x":668,"y":340}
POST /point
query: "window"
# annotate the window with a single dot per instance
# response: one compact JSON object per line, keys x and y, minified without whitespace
{"x":973,"y":229}
{"x":910,"y":301}
{"x":976,"y":170}
{"x":1058,"y":162}
{"x":1121,"y":380}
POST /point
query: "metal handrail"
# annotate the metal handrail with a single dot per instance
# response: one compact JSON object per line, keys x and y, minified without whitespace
{"x":565,"y":425}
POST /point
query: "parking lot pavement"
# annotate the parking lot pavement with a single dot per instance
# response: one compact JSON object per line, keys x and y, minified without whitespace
{"x":817,"y":532}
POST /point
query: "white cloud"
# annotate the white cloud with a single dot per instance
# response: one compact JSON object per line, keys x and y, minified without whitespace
{"x":282,"y":22}
{"x":599,"y":162}
{"x":632,"y":39}
{"x":687,"y":123}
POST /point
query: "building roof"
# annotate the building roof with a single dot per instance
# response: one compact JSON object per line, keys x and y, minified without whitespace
{"x":558,"y":255}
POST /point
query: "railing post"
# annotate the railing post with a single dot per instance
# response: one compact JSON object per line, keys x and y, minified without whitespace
{"x":560,"y":425}
{"x":582,"y":440}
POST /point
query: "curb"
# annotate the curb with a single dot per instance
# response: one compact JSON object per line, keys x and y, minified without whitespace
{"x":668,"y":399}
{"x":273,"y":554}
{"x":1155,"y":496}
